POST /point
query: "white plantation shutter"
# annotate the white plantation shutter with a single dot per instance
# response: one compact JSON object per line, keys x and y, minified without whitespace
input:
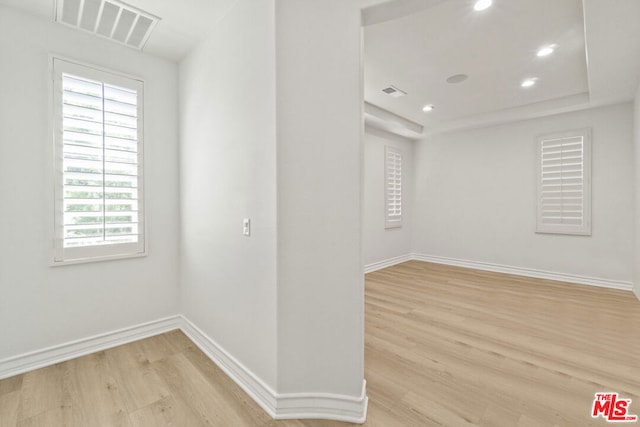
{"x":564,"y":183}
{"x":98,"y":147}
{"x":393,"y":187}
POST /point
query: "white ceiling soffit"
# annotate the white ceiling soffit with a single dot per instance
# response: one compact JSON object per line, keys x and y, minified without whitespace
{"x":566,"y":104}
{"x":394,"y":9}
{"x":110,"y":19}
{"x":380,"y":118}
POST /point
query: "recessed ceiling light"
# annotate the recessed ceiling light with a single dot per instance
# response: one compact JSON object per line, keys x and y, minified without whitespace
{"x":457,"y":78}
{"x":482,"y":5}
{"x":529,"y":82}
{"x":546,"y":50}
{"x":428,"y":107}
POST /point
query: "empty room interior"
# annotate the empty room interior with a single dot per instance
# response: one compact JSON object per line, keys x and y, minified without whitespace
{"x":319,"y":212}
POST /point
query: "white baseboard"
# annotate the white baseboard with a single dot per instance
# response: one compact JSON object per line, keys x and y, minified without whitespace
{"x":49,"y":356}
{"x":250,"y":383}
{"x":280,"y":406}
{"x":529,"y":272}
{"x":329,"y":406}
{"x":375,"y":266}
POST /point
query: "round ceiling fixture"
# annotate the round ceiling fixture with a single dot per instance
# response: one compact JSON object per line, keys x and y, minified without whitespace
{"x":482,"y":5}
{"x":529,"y":82}
{"x":457,"y":78}
{"x":546,"y":50}
{"x":428,"y":107}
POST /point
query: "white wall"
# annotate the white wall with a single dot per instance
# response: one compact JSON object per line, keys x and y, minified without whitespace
{"x":636,"y":191}
{"x":228,"y":172}
{"x":287,"y":302}
{"x":475,"y":197}
{"x":380,"y":244}
{"x":271,"y":129}
{"x":41,"y":306}
{"x":319,"y":117}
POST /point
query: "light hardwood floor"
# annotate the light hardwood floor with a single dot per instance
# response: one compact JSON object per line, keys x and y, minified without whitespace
{"x":444,"y":346}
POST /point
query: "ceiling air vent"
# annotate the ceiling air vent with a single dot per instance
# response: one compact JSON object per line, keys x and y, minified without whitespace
{"x":108,"y":18}
{"x":394,"y":91}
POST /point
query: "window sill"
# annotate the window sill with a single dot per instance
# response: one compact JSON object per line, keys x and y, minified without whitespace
{"x":87,"y":260}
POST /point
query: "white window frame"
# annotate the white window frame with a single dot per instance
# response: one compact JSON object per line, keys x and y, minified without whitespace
{"x":101,"y":252}
{"x":393,"y":173}
{"x":584,"y":227}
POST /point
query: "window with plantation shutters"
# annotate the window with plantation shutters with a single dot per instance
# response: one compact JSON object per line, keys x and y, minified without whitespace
{"x":98,"y":164}
{"x":564,"y":183}
{"x":393,"y":187}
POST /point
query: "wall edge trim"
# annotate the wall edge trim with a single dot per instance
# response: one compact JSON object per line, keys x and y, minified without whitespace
{"x":280,"y":406}
{"x":30,"y":361}
{"x":379,"y":265}
{"x":259,"y":391}
{"x":528,"y":272}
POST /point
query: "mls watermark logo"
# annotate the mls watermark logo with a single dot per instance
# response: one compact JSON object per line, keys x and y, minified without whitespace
{"x":612,"y":408}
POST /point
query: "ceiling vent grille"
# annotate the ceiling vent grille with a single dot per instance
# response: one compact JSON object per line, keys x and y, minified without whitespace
{"x":111,"y":19}
{"x":394,"y":92}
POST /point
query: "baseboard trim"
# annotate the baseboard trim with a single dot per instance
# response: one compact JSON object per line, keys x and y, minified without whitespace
{"x":324,"y":406}
{"x":528,"y":272}
{"x":375,"y":266}
{"x":280,"y":406}
{"x":249,"y":382}
{"x":30,"y":361}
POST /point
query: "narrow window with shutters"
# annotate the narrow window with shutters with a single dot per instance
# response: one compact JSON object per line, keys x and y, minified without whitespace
{"x":98,"y":164}
{"x":393,"y":187}
{"x":564,"y":183}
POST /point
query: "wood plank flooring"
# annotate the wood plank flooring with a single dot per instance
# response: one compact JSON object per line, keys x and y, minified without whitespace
{"x":455,"y":347}
{"x":444,"y":346}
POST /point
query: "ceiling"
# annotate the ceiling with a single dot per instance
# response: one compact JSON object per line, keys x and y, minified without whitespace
{"x":183,"y":23}
{"x":423,"y":43}
{"x":416,"y":45}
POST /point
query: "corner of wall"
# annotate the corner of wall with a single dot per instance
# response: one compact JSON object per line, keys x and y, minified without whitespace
{"x":636,"y":119}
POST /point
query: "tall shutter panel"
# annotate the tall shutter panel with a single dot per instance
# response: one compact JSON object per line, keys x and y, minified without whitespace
{"x":98,"y":164}
{"x":564,"y":183}
{"x":393,"y":187}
